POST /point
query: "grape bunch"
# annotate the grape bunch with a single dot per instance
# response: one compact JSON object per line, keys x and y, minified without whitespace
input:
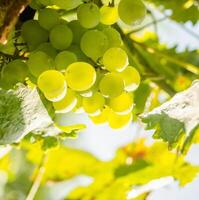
{"x":76,"y":57}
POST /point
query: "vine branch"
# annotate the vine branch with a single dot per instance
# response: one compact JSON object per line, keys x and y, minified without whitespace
{"x":38,"y":178}
{"x":12,"y":9}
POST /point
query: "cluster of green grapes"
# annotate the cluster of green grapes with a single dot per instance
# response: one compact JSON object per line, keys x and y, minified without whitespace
{"x":80,"y":64}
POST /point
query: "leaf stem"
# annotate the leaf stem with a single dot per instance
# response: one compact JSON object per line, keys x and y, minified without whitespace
{"x":37,"y":181}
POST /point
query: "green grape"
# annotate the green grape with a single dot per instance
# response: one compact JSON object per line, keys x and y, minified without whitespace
{"x":131,"y":12}
{"x":48,"y":49}
{"x":67,"y":104}
{"x":87,"y":93}
{"x":102,"y":118}
{"x":94,"y":43}
{"x":111,"y":85}
{"x":78,"y":31}
{"x":113,"y":36}
{"x":33,"y":34}
{"x":35,"y":4}
{"x":115,"y":59}
{"x":67,"y":4}
{"x":78,"y":107}
{"x":122,"y":104}
{"x":45,"y":2}
{"x":52,"y":83}
{"x":131,"y":78}
{"x":109,"y":15}
{"x":119,"y":121}
{"x":64,"y":59}
{"x":94,"y":104}
{"x":61,"y":36}
{"x":14,"y":72}
{"x":48,"y":18}
{"x":78,"y":52}
{"x":80,"y":76}
{"x":88,"y":15}
{"x":39,"y":62}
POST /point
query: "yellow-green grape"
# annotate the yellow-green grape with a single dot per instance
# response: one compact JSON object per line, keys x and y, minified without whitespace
{"x":102,"y":118}
{"x":64,"y":59}
{"x":80,"y":76}
{"x":14,"y":72}
{"x":67,"y":4}
{"x":113,"y":36}
{"x":67,"y":104}
{"x":94,"y":104}
{"x":78,"y":31}
{"x":87,"y":93}
{"x":131,"y":12}
{"x":33,"y":34}
{"x":61,"y":36}
{"x":119,"y":121}
{"x":109,"y":15}
{"x":39,"y":62}
{"x":48,"y":18}
{"x":52,"y":83}
{"x":47,"y":48}
{"x":88,"y":15}
{"x":111,"y":85}
{"x":94,"y":43}
{"x":115,"y":59}
{"x":45,"y":2}
{"x":122,"y":104}
{"x":78,"y":107}
{"x":131,"y":78}
{"x":78,"y":52}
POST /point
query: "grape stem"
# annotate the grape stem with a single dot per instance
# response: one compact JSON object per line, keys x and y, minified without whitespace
{"x":38,"y":178}
{"x":11,"y":9}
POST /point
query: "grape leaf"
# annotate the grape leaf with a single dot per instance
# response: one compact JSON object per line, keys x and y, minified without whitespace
{"x":188,"y":8}
{"x":21,"y":111}
{"x":179,"y":114}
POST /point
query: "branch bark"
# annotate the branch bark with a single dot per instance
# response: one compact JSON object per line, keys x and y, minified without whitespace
{"x":12,"y":9}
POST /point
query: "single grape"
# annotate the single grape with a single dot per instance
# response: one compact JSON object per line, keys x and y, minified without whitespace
{"x":78,"y":52}
{"x":119,"y":121}
{"x":113,"y":36}
{"x":131,"y":78}
{"x":61,"y":36}
{"x":122,"y":104}
{"x":33,"y":34}
{"x":80,"y":76}
{"x":64,"y":59}
{"x":87,"y":93}
{"x":67,"y":4}
{"x":78,"y":107}
{"x":111,"y":85}
{"x":102,"y":118}
{"x":109,"y":15}
{"x":94,"y":43}
{"x":131,"y":12}
{"x":48,"y":18}
{"x":14,"y":72}
{"x":67,"y":104}
{"x":48,"y":49}
{"x":88,"y":15}
{"x":77,"y":30}
{"x":115,"y":59}
{"x":52,"y":83}
{"x":45,"y":2}
{"x":94,"y":104}
{"x":39,"y":62}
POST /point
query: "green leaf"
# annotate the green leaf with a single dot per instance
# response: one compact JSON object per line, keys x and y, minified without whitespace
{"x":21,"y":111}
{"x":167,"y":128}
